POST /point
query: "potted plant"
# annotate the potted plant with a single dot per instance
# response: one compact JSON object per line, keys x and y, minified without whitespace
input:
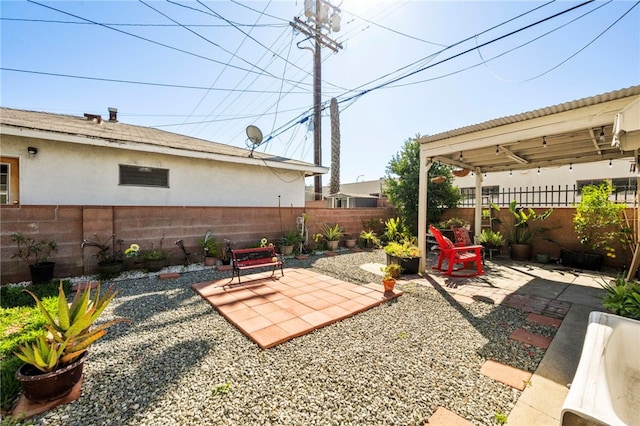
{"x":388,"y":282}
{"x":209,"y":247}
{"x":110,"y":260}
{"x":405,"y":253}
{"x":369,"y":238}
{"x":598,"y":222}
{"x":155,"y":258}
{"x":35,"y":254}
{"x":393,"y":269}
{"x":288,"y":242}
{"x":349,"y":241}
{"x":491,"y":240}
{"x":54,"y":361}
{"x":523,"y":230}
{"x":331,"y":234}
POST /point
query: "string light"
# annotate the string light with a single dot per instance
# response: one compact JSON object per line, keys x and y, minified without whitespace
{"x":497,"y":150}
{"x":602,"y":134}
{"x":610,"y":163}
{"x":544,"y":141}
{"x":510,"y":173}
{"x":538,"y":169}
{"x":570,"y":167}
{"x":461,"y":156}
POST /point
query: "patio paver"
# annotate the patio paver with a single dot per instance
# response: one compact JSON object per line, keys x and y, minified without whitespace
{"x":272,"y":311}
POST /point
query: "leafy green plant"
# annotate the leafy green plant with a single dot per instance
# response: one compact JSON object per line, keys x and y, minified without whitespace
{"x":491,"y":239}
{"x":31,"y":251}
{"x":290,"y":238}
{"x":622,"y":298}
{"x":395,"y":229}
{"x":598,"y":220}
{"x":392,"y":270}
{"x":221,"y":388}
{"x":370,"y":238}
{"x":331,"y":232}
{"x":405,"y":249}
{"x":70,"y":331}
{"x":208,"y":244}
{"x":14,"y":296}
{"x":500,"y":418}
{"x":153,"y":253}
{"x":523,"y":229}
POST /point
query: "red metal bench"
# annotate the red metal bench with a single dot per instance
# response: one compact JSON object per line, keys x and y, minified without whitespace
{"x":454,"y":254}
{"x":258,"y":257}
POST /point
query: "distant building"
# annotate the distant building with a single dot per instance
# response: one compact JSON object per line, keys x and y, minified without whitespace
{"x":352,"y":195}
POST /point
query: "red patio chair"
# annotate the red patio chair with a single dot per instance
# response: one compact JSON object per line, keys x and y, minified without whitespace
{"x":454,"y":254}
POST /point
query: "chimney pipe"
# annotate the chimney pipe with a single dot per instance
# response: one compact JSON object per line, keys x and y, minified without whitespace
{"x":113,"y":115}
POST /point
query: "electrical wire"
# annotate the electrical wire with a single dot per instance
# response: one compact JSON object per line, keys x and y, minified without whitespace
{"x":145,"y":83}
{"x":142,"y":38}
{"x":114,"y":24}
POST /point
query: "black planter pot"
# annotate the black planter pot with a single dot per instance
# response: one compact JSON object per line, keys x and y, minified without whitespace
{"x":114,"y":267}
{"x":39,"y":386}
{"x":410,"y":265}
{"x":578,"y":259}
{"x":521,"y":251}
{"x":42,"y":272}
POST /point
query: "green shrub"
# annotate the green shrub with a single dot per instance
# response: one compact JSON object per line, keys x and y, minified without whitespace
{"x":13,"y":296}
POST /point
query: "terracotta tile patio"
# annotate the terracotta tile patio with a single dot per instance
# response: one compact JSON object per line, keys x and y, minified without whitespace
{"x":272,"y":311}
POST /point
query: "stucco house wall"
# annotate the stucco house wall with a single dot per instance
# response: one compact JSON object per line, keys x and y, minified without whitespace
{"x":74,"y":174}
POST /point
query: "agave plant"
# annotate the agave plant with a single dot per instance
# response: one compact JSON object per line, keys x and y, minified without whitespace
{"x":70,"y":334}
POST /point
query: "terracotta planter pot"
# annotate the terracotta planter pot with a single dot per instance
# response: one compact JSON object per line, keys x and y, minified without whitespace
{"x":332,"y":245}
{"x":38,"y":386}
{"x":114,"y":267}
{"x":389,"y":284}
{"x":350,"y":243}
{"x":209,"y":261}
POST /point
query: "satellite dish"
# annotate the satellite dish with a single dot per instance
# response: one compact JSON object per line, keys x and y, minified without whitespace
{"x":254,"y":134}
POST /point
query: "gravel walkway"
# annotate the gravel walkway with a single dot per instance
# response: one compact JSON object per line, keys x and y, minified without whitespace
{"x":181,"y":363}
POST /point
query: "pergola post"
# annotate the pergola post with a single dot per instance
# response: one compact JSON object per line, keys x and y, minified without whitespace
{"x":425,"y":165}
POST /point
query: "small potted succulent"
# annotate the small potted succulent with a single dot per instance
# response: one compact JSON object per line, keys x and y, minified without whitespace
{"x":35,"y":254}
{"x":54,"y":361}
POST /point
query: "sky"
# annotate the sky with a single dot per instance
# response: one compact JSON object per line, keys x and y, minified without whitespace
{"x":209,"y":69}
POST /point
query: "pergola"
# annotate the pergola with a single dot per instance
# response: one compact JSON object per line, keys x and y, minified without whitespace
{"x":596,"y":128}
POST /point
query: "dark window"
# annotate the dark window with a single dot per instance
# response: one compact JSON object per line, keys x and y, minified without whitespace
{"x":619,"y":184}
{"x":144,"y":176}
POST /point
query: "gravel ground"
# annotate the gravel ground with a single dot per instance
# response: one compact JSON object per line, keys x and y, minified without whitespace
{"x":181,"y":363}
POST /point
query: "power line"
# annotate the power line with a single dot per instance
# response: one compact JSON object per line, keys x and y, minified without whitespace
{"x":144,"y":38}
{"x":121,"y":24}
{"x":143,"y":83}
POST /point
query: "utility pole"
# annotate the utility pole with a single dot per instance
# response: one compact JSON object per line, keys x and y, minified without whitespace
{"x":321,"y":15}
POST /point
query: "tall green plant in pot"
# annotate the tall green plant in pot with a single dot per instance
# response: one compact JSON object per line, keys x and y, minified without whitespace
{"x":523,"y":229}
{"x":53,"y":363}
{"x":598,"y":222}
